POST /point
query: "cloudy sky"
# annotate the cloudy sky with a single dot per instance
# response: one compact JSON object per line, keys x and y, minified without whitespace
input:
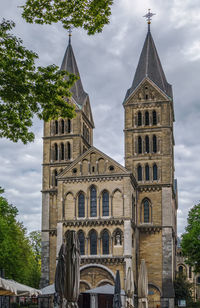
{"x":107,"y":63}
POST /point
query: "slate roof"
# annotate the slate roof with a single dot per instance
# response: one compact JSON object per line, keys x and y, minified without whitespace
{"x":69,"y":64}
{"x":150,"y":66}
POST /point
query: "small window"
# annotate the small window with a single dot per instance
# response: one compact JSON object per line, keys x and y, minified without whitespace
{"x":180,"y":270}
{"x":55,"y":178}
{"x":69,"y":126}
{"x":111,"y":168}
{"x":62,"y":126}
{"x":56,"y":151}
{"x":154,"y":144}
{"x":74,"y":170}
{"x":198,"y":279}
{"x":105,"y":242}
{"x":139,"y":173}
{"x":62,"y":150}
{"x":190,"y":272}
{"x":81,"y":238}
{"x":146,"y":211}
{"x":147,"y":173}
{"x":68,"y":150}
{"x":139,"y":118}
{"x":155,"y":172}
{"x":147,"y":144}
{"x":139,"y":145}
{"x":154,"y":117}
{"x":93,"y":243}
{"x":93,"y":169}
{"x":56,"y":127}
{"x":146,"y":117}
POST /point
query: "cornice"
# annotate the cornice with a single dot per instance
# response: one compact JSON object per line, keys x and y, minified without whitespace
{"x":94,"y":178}
{"x":102,"y":260}
{"x":94,"y":222}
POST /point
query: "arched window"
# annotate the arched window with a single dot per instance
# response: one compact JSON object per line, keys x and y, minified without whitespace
{"x":180,"y":270}
{"x":139,"y":145}
{"x":55,"y":177}
{"x":154,"y":115}
{"x":147,"y":172}
{"x":56,"y":151}
{"x":139,"y":173}
{"x":147,"y":144}
{"x":146,"y":118}
{"x":146,"y":211}
{"x":69,"y":126}
{"x":62,"y":151}
{"x":81,"y":205}
{"x":154,"y":144}
{"x":105,"y":203}
{"x":105,"y":242}
{"x":62,"y":124}
{"x":155,"y":172}
{"x":139,"y":118}
{"x":93,"y":243}
{"x":81,"y":238}
{"x":56,"y":127}
{"x":93,"y":202}
{"x":68,"y":150}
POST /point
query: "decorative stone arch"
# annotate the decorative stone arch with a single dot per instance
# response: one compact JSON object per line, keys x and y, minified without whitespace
{"x":72,"y":210}
{"x":184,"y":268}
{"x":154,"y":293}
{"x":104,"y":282}
{"x":117,"y":205}
{"x":84,"y":286}
{"x":98,"y":266}
{"x":142,"y":211}
{"x":85,"y":166}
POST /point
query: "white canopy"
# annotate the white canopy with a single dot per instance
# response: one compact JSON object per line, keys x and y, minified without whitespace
{"x":11,"y":287}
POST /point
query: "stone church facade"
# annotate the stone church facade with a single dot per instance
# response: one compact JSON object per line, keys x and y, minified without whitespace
{"x":121,"y":214}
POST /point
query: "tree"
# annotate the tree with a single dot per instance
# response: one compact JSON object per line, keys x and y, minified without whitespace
{"x":90,"y":15}
{"x":191,"y":238}
{"x":17,"y":256}
{"x":26,"y":91}
{"x":183,"y":289}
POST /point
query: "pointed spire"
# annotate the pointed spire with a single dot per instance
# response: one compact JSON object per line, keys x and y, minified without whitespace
{"x":69,"y":64}
{"x":150,"y":66}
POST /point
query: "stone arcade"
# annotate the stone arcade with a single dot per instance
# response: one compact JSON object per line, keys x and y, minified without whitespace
{"x":121,"y":214}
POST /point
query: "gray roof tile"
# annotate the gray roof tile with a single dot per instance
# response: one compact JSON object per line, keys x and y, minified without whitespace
{"x":150,"y":66}
{"x":69,"y":64}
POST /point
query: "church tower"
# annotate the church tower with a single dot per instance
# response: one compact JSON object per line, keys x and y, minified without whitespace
{"x":149,"y":154}
{"x":64,"y":140}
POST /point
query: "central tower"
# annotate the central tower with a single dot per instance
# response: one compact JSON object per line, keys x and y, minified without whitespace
{"x":149,"y":154}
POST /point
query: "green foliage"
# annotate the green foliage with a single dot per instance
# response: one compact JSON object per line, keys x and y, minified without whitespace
{"x":190,"y":242}
{"x":183,"y":289}
{"x":90,"y":15}
{"x":26,"y":91}
{"x":17,"y":257}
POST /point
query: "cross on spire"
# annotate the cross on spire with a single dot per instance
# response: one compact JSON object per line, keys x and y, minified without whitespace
{"x":148,"y":18}
{"x":70,"y":34}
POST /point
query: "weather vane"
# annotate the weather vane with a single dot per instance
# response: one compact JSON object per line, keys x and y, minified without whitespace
{"x":148,"y":18}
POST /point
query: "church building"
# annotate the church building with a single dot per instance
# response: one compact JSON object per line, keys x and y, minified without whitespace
{"x":122,"y":214}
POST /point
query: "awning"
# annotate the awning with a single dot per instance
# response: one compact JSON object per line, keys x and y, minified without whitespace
{"x":106,"y":289}
{"x":13,"y":288}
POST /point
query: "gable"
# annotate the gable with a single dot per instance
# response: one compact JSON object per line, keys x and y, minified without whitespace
{"x":93,"y":163}
{"x":147,"y":91}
